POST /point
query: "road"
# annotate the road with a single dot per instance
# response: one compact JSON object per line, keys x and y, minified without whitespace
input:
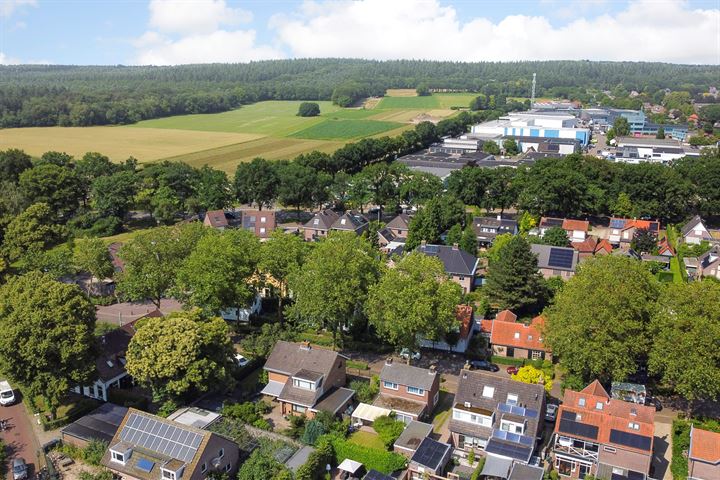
{"x":18,"y":436}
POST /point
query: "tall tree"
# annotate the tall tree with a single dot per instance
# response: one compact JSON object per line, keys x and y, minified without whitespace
{"x":440,"y":214}
{"x":301,"y":186}
{"x":217,"y":275}
{"x":181,"y":354}
{"x":12,"y":163}
{"x":46,"y":335}
{"x":213,"y":189}
{"x":256,"y":182}
{"x":31,"y":231}
{"x":686,"y":330}
{"x":608,"y":304}
{"x":621,"y":127}
{"x":280,"y":256}
{"x":112,"y":195}
{"x":643,"y":241}
{"x":420,"y":188}
{"x":556,"y":236}
{"x":332,"y":285}
{"x":413,"y":299}
{"x":513,"y":280}
{"x":502,"y":189}
{"x":59,"y":187}
{"x":92,"y":255}
{"x":152,"y":259}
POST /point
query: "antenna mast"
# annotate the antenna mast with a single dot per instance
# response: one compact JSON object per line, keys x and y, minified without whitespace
{"x":532,"y":98}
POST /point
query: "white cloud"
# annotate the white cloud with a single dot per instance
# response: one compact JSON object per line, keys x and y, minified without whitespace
{"x":645,"y":30}
{"x":5,"y":60}
{"x":194,"y":16}
{"x":219,"y":46}
{"x":8,"y":60}
{"x":7,"y":7}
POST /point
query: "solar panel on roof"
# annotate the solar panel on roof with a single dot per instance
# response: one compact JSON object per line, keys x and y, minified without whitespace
{"x":160,"y":437}
{"x":145,"y":465}
{"x":630,"y":439}
{"x":553,"y":222}
{"x":430,"y":453}
{"x":617,"y":223}
{"x":512,"y":450}
{"x":513,"y":437}
{"x":576,"y":428}
{"x":561,"y":258}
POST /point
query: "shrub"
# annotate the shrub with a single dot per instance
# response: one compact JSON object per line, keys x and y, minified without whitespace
{"x":313,"y":430}
{"x":382,"y":461}
{"x":94,"y":452}
{"x":297,"y":426}
{"x":167,"y":408}
{"x":471,"y":457}
{"x":476,"y":473}
{"x":366,"y":391}
{"x":262,"y":424}
{"x":101,"y":475}
{"x":388,"y":429}
{"x":248,"y":412}
{"x":3,"y":457}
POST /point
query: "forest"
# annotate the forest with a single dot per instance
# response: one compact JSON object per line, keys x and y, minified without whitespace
{"x":35,"y":95}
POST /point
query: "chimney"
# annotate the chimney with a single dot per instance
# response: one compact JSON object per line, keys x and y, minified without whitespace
{"x":423,"y":243}
{"x":305,"y":345}
{"x":455,"y":246}
{"x":432,"y":370}
{"x":499,"y":217}
{"x":388,"y":361}
{"x":467,"y":365}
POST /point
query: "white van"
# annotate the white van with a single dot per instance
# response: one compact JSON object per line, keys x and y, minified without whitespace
{"x":7,"y":396}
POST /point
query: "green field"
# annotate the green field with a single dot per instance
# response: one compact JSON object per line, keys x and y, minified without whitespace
{"x":346,"y":129}
{"x":409,"y":102}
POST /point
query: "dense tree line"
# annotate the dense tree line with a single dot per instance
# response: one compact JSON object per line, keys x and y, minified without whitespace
{"x":32,"y":95}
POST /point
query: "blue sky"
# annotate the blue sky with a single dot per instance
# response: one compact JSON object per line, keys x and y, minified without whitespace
{"x":197,"y":31}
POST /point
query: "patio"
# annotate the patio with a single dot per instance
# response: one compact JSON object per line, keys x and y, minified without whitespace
{"x":275,"y":417}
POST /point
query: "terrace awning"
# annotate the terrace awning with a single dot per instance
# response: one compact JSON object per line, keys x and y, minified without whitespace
{"x":496,"y":466}
{"x":350,"y":466}
{"x":369,"y":413}
{"x":273,"y":388}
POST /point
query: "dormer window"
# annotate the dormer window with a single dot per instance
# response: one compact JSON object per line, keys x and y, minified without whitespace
{"x":121,"y":453}
{"x":512,"y":399}
{"x":172,"y":470}
{"x":342,"y":221}
{"x":581,"y":402}
{"x":634,"y":426}
{"x":488,"y":391}
{"x":517,"y":335}
{"x":599,"y":406}
{"x":304,"y":384}
{"x":118,"y":457}
{"x":316,"y":221}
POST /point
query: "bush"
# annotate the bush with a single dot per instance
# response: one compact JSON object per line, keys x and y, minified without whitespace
{"x":3,"y":457}
{"x":314,"y":467}
{"x":517,"y":362}
{"x":308,"y":109}
{"x":471,"y":456}
{"x":297,"y":426}
{"x":366,"y":391}
{"x":385,"y":462}
{"x":127,"y":398}
{"x":248,"y":412}
{"x":476,"y":473}
{"x":262,"y":424}
{"x":167,"y":408}
{"x":101,"y":475}
{"x":94,"y":452}
{"x":313,"y":430}
{"x":388,"y":429}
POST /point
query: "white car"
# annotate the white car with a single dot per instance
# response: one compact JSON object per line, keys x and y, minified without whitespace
{"x":7,"y":396}
{"x":240,"y":360}
{"x":404,"y":353}
{"x":551,"y":412}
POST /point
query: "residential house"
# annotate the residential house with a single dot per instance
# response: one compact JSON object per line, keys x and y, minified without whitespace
{"x":260,"y":222}
{"x":497,"y":415}
{"x":706,"y":265}
{"x":695,"y":231}
{"x":662,"y":261}
{"x":464,"y":331}
{"x":305,"y":379}
{"x":410,"y":392}
{"x":400,"y":225}
{"x":576,"y":229}
{"x":603,"y":247}
{"x":622,"y":230}
{"x":148,"y":447}
{"x":703,"y":455}
{"x":100,"y":424}
{"x":430,"y":460}
{"x":216,"y":219}
{"x":459,"y":264}
{"x":110,"y":362}
{"x":556,"y":261}
{"x":319,"y":225}
{"x":487,"y":228}
{"x":665,"y":249}
{"x":591,"y":247}
{"x":387,"y":237}
{"x":350,"y":222}
{"x":602,"y":436}
{"x":510,"y":338}
{"x":411,"y":438}
{"x":522,"y":471}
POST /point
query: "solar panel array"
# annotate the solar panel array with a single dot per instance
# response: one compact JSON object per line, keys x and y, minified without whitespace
{"x":617,"y":223}
{"x":512,"y":450}
{"x":653,"y":227}
{"x":630,"y":439}
{"x":513,"y":437}
{"x":430,"y":453}
{"x":553,"y":222}
{"x":576,"y":428}
{"x":561,"y":258}
{"x":375,"y":475}
{"x":157,"y":436}
{"x":518,"y":410}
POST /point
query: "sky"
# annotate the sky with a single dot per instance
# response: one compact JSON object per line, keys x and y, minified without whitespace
{"x":170,"y":32}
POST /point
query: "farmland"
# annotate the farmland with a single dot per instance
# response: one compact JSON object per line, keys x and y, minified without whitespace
{"x":269,"y":129}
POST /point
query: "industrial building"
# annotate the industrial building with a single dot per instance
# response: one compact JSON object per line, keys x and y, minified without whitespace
{"x":639,"y":149}
{"x":639,"y":124}
{"x":533,"y":124}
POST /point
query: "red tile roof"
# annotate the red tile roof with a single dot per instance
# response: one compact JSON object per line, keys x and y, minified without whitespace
{"x":635,"y":223}
{"x":571,"y":224}
{"x":603,"y":244}
{"x":464,"y":315}
{"x":664,"y":247}
{"x":612,"y":415}
{"x":216,"y":218}
{"x":586,"y":246}
{"x":486,"y":326}
{"x":518,"y":335}
{"x":704,"y":445}
{"x":506,"y":316}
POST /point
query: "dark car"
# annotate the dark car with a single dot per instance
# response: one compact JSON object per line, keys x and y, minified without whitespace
{"x":20,"y":469}
{"x":512,"y":370}
{"x":484,"y":365}
{"x":653,"y":402}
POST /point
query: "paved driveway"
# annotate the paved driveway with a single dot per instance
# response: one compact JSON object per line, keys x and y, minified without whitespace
{"x":662,"y":449}
{"x":18,"y":436}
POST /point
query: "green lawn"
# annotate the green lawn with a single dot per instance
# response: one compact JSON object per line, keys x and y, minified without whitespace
{"x":676,"y":270}
{"x":367,"y":439}
{"x":351,"y":113}
{"x":448,"y":100}
{"x":442,"y":410}
{"x":346,"y":129}
{"x":430,"y":101}
{"x":277,"y":118}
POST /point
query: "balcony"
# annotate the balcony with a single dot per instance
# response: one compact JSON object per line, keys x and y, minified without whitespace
{"x":576,"y":448}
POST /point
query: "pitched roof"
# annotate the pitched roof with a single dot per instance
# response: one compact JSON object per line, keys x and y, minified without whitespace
{"x":464,"y":315}
{"x":555,"y":258}
{"x":592,"y":414}
{"x":518,"y":335}
{"x":571,"y":224}
{"x":386,"y":234}
{"x":506,"y":316}
{"x":455,"y":260}
{"x":689,"y":226}
{"x":322,"y":220}
{"x":486,"y":326}
{"x":604,"y":245}
{"x":704,"y":445}
{"x":100,"y":424}
{"x":350,"y":221}
{"x":113,"y":345}
{"x":403,"y":374}
{"x":627,"y":223}
{"x":216,"y":218}
{"x":665,"y":248}
{"x":497,"y":226}
{"x":586,"y":246}
{"x":289,"y":358}
{"x":400,"y":222}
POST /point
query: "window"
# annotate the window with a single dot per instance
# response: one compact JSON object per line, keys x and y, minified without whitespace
{"x":416,"y":391}
{"x":578,"y":417}
{"x":517,"y":334}
{"x":304,"y":384}
{"x":262,"y":219}
{"x":618,"y":471}
{"x":390,"y":385}
{"x":228,"y":467}
{"x":299,"y":408}
{"x":472,"y":418}
{"x":262,"y":229}
{"x":488,"y":391}
{"x":536,"y":355}
{"x":342,"y":221}
{"x":634,"y":426}
{"x":512,"y":427}
{"x":581,"y":402}
{"x":512,"y":399}
{"x":168,"y":474}
{"x":316,"y":221}
{"x":599,"y":406}
{"x":609,"y":449}
{"x":221,"y":453}
{"x":203,"y":468}
{"x":530,"y":337}
{"x":117,"y":456}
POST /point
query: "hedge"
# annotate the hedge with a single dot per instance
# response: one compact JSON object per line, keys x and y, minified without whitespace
{"x":517,"y":362}
{"x":385,"y":462}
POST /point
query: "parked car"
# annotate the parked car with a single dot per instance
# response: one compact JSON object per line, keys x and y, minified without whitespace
{"x":240,"y":360}
{"x":653,"y":402}
{"x":20,"y":469}
{"x":484,"y":365}
{"x":551,"y":412}
{"x":405,"y":353}
{"x":512,"y":370}
{"x":7,"y":396}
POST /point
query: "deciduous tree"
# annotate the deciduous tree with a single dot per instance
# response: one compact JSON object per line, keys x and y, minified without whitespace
{"x":256,"y":182}
{"x":92,"y":255}
{"x":556,"y":236}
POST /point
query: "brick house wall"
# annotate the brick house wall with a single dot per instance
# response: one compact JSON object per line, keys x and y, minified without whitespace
{"x":428,"y":398}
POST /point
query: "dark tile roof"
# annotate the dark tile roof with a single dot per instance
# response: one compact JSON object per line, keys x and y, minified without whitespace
{"x":334,"y":400}
{"x":404,"y":374}
{"x":100,"y":424}
{"x":521,"y":471}
{"x":497,"y":227}
{"x":688,"y":227}
{"x":386,"y":234}
{"x":298,"y":396}
{"x":455,"y":260}
{"x":322,"y":220}
{"x":113,"y":346}
{"x":350,"y":221}
{"x":289,"y":358}
{"x":432,"y":454}
{"x":413,"y":435}
{"x":400,"y":222}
